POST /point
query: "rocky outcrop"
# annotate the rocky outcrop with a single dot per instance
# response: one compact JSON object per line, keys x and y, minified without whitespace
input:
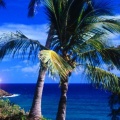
{"x":4,"y":93}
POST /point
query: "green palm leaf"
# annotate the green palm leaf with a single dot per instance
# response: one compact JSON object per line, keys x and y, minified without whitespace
{"x":55,"y":63}
{"x":20,"y":45}
{"x":97,"y":26}
{"x":32,"y":7}
{"x":112,"y":55}
{"x":97,"y":41}
{"x":108,"y":55}
{"x":102,"y":78}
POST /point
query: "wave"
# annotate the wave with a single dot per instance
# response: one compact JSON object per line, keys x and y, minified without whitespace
{"x":14,"y":95}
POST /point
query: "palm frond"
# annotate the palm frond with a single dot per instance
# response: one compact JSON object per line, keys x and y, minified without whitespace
{"x":112,"y":55}
{"x":61,"y":13}
{"x":103,"y":79}
{"x":17,"y":44}
{"x":91,"y":42}
{"x":86,"y":21}
{"x":55,"y":63}
{"x":88,"y":50}
{"x":56,"y":14}
{"x":33,"y":5}
{"x":96,"y":26}
{"x":107,"y":55}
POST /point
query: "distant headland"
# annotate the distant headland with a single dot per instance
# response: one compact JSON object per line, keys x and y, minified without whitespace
{"x":4,"y":93}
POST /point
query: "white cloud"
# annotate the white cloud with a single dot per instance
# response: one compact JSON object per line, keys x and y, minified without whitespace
{"x":31,"y":69}
{"x":16,"y":67}
{"x":13,"y":68}
{"x":6,"y":70}
{"x":115,"y":39}
{"x":26,"y":61}
{"x":117,"y":17}
{"x":5,"y":59}
{"x":116,"y":72}
{"x":35,"y":32}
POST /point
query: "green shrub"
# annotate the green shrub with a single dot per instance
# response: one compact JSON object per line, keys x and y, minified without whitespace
{"x":11,"y":111}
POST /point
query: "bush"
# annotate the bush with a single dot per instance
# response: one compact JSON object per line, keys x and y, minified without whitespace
{"x":11,"y":111}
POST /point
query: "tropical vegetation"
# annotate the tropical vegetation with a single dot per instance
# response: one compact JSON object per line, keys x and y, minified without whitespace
{"x":79,"y":37}
{"x":11,"y":111}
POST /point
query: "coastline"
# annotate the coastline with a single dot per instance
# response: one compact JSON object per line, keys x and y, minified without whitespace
{"x":3,"y":93}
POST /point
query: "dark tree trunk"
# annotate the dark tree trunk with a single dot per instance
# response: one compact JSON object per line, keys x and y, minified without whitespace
{"x":61,"y":114}
{"x":35,"y":112}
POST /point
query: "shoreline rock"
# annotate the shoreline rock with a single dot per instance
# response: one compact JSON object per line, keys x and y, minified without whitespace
{"x":4,"y":93}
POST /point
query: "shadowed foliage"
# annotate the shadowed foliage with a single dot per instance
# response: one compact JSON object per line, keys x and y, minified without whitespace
{"x":33,"y":5}
{"x":17,"y":44}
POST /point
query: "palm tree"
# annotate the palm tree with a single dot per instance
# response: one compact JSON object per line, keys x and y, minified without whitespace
{"x":80,"y":31}
{"x":33,"y":3}
{"x":35,"y":111}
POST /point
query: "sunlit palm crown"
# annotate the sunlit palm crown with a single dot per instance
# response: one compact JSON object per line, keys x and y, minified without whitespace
{"x":80,"y":36}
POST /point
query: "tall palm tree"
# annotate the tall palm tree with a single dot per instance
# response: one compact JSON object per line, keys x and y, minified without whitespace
{"x":35,"y":107}
{"x":35,"y":110}
{"x":31,"y":12}
{"x":79,"y":37}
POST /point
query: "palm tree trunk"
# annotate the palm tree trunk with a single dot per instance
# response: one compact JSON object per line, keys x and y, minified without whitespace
{"x":35,"y":112}
{"x":61,"y":114}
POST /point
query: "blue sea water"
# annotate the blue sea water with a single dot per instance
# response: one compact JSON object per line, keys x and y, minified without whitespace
{"x":84,"y":101}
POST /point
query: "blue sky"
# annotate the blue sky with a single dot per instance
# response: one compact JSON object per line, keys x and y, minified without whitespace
{"x":13,"y":18}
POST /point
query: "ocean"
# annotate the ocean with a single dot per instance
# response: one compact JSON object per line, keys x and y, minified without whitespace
{"x":84,"y":102}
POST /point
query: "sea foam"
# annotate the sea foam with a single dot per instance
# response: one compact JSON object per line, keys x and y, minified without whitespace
{"x":14,"y":95}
